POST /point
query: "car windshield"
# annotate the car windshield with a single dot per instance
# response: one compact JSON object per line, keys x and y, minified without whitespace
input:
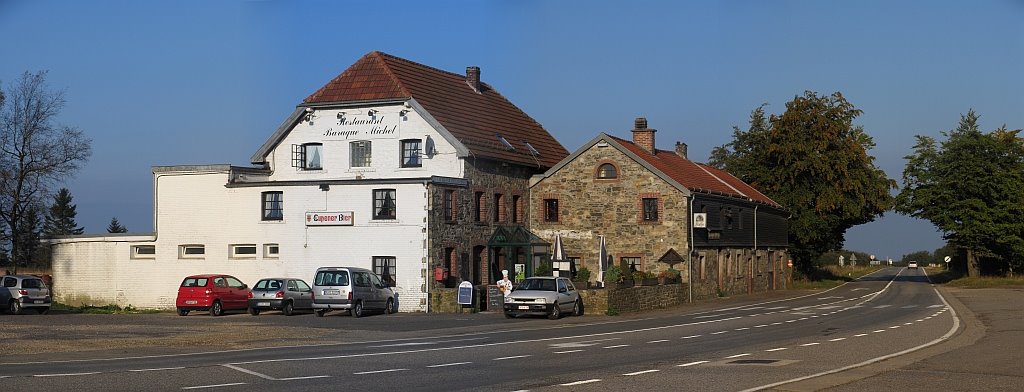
{"x":194,"y":282}
{"x":331,"y":278}
{"x":538,"y":284}
{"x":32,"y":284}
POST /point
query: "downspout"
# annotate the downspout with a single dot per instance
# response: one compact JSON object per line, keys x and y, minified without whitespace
{"x":426,"y":256}
{"x":689,"y":255}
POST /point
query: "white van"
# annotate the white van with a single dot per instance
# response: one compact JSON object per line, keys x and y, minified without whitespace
{"x":353,"y":289}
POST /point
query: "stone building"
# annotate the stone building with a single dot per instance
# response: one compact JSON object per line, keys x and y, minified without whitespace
{"x":657,"y":209}
{"x":393,"y":166}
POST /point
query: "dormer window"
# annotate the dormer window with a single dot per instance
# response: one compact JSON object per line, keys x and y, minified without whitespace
{"x":307,"y":156}
{"x":607,"y":171}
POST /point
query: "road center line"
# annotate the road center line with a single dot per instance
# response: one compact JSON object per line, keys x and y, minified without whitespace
{"x":157,"y":369}
{"x":691,"y":363}
{"x":380,"y":371}
{"x":65,"y":374}
{"x":776,"y":349}
{"x":737,"y":356}
{"x":809,"y":344}
{"x":658,"y":341}
{"x":617,"y":346}
{"x":836,"y":339}
{"x":214,"y":386}
{"x":641,"y":372}
{"x":449,"y":364}
{"x":566,"y":352}
{"x":512,"y":357}
{"x":570,"y":384}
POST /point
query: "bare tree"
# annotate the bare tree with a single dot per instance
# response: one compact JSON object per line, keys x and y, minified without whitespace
{"x":35,"y":154}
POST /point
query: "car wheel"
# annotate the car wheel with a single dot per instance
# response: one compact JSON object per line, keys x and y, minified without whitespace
{"x":289,"y":309}
{"x":182,"y":312}
{"x":577,"y":309}
{"x":254,"y":311}
{"x":389,"y":307}
{"x":320,"y":313}
{"x":42,"y":310}
{"x":357,"y":310}
{"x":14,"y":307}
{"x":555,"y":312}
{"x":216,"y":309}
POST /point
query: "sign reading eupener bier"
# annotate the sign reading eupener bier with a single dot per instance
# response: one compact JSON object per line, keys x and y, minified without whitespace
{"x":329,"y":218}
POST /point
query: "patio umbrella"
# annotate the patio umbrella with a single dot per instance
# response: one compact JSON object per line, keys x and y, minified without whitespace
{"x":602,"y":260}
{"x":558,"y":256}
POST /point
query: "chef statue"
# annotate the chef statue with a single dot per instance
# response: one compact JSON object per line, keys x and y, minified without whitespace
{"x":504,"y":284}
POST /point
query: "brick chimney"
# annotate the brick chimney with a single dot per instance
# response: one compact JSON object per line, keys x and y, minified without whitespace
{"x":681,"y":150}
{"x":643,"y":136}
{"x":473,"y":78}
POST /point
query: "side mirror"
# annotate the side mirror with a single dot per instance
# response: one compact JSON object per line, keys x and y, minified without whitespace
{"x":562,"y":290}
{"x":245,"y":286}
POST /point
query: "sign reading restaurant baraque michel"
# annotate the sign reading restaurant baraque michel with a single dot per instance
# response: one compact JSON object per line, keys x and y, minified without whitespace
{"x":379,"y":126}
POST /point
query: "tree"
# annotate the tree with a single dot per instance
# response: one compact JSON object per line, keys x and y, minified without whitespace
{"x":60,"y":220}
{"x":971,"y":186}
{"x":35,"y":153}
{"x":116,"y":227}
{"x":813,"y":161}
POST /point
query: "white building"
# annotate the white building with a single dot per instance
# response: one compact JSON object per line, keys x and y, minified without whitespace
{"x":393,"y":166}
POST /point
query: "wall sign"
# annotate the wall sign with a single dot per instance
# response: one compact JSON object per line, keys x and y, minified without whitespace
{"x":700,"y":220}
{"x":329,"y":218}
{"x":362,"y":128}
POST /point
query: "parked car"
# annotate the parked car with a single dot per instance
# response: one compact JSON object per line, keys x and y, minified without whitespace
{"x":355,"y":290}
{"x":544,"y":295}
{"x":20,"y":292}
{"x":213,"y":293}
{"x":284,"y":294}
{"x":912,"y":264}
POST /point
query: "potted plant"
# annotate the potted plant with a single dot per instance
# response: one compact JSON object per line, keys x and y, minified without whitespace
{"x":669,"y":276}
{"x":645,"y":278}
{"x":615,"y":276}
{"x":582,"y":279}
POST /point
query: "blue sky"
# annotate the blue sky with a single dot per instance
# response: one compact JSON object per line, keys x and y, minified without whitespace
{"x":198,"y":82}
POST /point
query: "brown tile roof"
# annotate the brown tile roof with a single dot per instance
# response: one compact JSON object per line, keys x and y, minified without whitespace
{"x":697,"y":177}
{"x":474,"y":118}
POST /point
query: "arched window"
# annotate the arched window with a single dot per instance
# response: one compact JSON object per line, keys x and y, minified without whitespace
{"x":607,"y":171}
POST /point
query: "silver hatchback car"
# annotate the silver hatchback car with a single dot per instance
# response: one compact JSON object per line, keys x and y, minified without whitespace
{"x":544,"y":296}
{"x":20,"y":292}
{"x":285,"y":294}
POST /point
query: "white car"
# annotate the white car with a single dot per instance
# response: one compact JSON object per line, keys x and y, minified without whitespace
{"x":912,"y":264}
{"x":544,"y":296}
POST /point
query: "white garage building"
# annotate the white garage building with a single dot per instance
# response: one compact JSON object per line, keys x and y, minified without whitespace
{"x":393,"y":166}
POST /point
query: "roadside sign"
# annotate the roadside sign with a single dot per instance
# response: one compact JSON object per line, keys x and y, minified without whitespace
{"x":465,"y":293}
{"x":948,"y":259}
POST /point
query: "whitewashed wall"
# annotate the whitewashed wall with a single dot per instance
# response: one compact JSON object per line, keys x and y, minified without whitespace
{"x":193,"y":206}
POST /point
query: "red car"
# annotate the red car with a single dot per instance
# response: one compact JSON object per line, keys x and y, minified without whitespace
{"x":215,"y":293}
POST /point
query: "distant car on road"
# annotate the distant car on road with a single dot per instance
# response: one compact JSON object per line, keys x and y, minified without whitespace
{"x":284,"y":294}
{"x":20,"y":292}
{"x":912,"y":264}
{"x":213,"y":293}
{"x":544,"y":296}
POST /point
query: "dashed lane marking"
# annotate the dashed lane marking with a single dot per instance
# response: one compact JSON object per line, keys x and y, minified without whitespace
{"x":691,"y":363}
{"x":737,"y":356}
{"x":691,"y":337}
{"x":65,"y":374}
{"x":449,"y":364}
{"x":617,"y":346}
{"x":809,"y":344}
{"x":657,"y":341}
{"x":836,"y":339}
{"x":566,"y":351}
{"x":776,"y":349}
{"x":157,"y":369}
{"x":641,"y":372}
{"x":512,"y":357}
{"x":214,"y":386}
{"x":380,"y":371}
{"x":571,"y":384}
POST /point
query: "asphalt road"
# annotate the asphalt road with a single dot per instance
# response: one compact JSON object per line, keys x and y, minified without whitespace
{"x":751,"y":346}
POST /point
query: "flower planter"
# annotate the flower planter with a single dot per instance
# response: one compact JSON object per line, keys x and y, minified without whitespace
{"x":664,"y":281}
{"x":649,"y":282}
{"x":581,"y":285}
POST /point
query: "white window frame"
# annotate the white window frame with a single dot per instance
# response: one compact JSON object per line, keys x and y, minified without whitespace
{"x":137,"y":255}
{"x":267,"y":254}
{"x":184,"y":251}
{"x":234,"y":254}
{"x":367,"y":151}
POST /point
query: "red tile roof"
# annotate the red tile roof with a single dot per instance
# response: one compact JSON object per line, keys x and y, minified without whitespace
{"x":474,"y":118}
{"x":697,"y":177}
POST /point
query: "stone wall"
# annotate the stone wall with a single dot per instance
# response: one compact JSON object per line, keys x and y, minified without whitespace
{"x":633,"y":299}
{"x":590,"y":207}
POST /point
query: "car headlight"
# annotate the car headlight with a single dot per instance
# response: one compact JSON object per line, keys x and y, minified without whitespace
{"x":539,"y":301}
{"x":508,"y":299}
